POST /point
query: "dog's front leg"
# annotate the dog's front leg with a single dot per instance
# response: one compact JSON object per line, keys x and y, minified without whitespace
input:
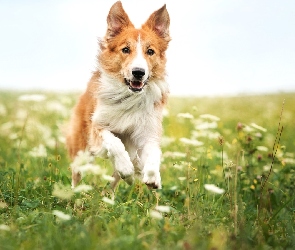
{"x":104,"y":143}
{"x":151,"y":158}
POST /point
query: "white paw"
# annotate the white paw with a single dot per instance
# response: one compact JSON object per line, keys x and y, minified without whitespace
{"x":152,"y":179}
{"x":125,"y":168}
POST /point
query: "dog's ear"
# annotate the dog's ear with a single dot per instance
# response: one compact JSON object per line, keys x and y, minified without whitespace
{"x":117,"y":20}
{"x":159,"y":22}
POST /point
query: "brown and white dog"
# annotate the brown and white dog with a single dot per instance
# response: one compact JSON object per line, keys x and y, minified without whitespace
{"x":120,"y":115}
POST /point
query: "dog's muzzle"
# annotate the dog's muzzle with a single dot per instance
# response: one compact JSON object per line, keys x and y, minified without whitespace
{"x":137,"y":83}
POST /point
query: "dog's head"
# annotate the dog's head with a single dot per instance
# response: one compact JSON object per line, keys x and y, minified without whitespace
{"x":135,"y":56}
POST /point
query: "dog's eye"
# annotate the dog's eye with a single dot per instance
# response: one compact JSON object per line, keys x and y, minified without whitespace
{"x":126,"y":50}
{"x":150,"y":52}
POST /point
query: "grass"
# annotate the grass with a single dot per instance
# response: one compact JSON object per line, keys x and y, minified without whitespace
{"x":232,"y":149}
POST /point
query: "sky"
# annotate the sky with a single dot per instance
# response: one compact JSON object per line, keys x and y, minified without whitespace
{"x":218,"y":47}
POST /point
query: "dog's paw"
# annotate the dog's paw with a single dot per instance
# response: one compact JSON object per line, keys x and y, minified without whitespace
{"x":125,"y":169}
{"x":152,"y":179}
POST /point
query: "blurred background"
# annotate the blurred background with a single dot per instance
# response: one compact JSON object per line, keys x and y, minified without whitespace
{"x":218,"y":47}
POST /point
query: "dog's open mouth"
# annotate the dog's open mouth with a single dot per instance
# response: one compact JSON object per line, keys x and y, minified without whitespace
{"x":135,"y":86}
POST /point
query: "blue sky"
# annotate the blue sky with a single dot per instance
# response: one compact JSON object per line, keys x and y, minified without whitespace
{"x":219,"y":47}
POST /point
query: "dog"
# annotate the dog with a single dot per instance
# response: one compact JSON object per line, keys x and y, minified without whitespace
{"x":119,"y":116}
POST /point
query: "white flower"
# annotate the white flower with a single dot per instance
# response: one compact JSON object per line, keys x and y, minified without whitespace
{"x":185,"y":115}
{"x":165,"y":141}
{"x":88,"y":168}
{"x":177,"y":166}
{"x":163,"y":209}
{"x":182,"y":178}
{"x":289,"y":160}
{"x":266,"y":168}
{"x":61,"y":215}
{"x":206,"y":133}
{"x":57,"y":107}
{"x":82,"y":158}
{"x":34,"y":98}
{"x":254,"y":125}
{"x":62,"y":192}
{"x":165,"y":112}
{"x":210,"y":117}
{"x":82,"y":188}
{"x":155,"y":214}
{"x":248,"y":129}
{"x":214,"y":189}
{"x":4,"y":227}
{"x":108,"y":201}
{"x":108,"y":177}
{"x":207,"y":125}
{"x":191,"y":142}
{"x":39,"y":151}
{"x":174,"y":154}
{"x":262,"y":148}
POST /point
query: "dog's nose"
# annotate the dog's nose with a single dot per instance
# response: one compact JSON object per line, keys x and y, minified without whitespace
{"x":138,"y":72}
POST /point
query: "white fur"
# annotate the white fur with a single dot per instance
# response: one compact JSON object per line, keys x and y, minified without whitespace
{"x":132,"y":124}
{"x":139,"y":62}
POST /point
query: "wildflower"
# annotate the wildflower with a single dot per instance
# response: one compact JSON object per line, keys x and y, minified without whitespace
{"x":155,"y":214}
{"x":185,"y":115}
{"x":210,"y":117}
{"x":191,"y":142}
{"x":108,"y":201}
{"x":262,"y":148}
{"x":163,"y":209}
{"x":39,"y":151}
{"x":165,"y":141}
{"x":82,"y":158}
{"x":108,"y":177}
{"x":165,"y":112}
{"x":207,"y":125}
{"x":258,"y":135}
{"x":4,"y":227}
{"x":289,"y":161}
{"x":174,"y":154}
{"x":221,"y":140}
{"x":57,"y":107}
{"x":88,"y":168}
{"x":62,"y":192}
{"x":214,"y":189}
{"x":248,"y":129}
{"x":82,"y":188}
{"x":240,"y":126}
{"x":61,"y":215}
{"x":173,"y":188}
{"x":181,"y":178}
{"x":254,"y":125}
{"x":266,"y":168}
{"x":34,"y":98}
{"x":177,"y":166}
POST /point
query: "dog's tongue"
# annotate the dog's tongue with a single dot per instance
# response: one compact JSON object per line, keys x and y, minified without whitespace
{"x":136,"y":85}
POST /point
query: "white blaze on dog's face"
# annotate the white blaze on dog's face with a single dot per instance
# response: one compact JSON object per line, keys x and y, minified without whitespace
{"x":132,"y":56}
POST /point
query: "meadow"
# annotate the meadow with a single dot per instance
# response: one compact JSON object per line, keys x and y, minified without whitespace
{"x":227,"y":171}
